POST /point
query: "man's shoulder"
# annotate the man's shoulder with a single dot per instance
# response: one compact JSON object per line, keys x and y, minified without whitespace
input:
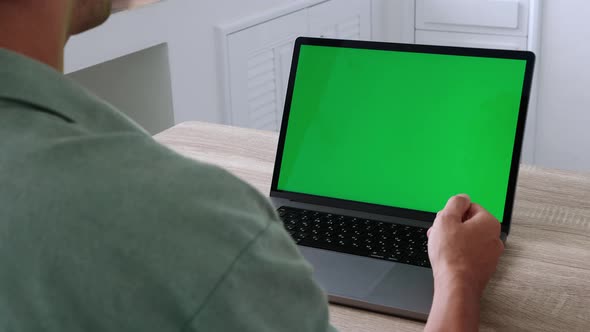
{"x":137,"y":167}
{"x":177,"y":225}
{"x":213,"y":187}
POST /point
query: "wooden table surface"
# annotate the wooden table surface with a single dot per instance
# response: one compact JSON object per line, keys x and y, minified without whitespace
{"x":543,"y":281}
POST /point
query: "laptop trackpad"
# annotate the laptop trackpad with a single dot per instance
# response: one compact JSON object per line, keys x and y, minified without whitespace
{"x":407,"y":287}
{"x":404,"y":288}
{"x":346,"y":275}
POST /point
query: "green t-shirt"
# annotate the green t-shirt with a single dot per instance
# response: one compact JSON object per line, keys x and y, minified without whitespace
{"x":103,"y":229}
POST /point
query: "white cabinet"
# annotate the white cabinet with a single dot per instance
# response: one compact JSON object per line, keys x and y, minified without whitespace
{"x":470,"y":40}
{"x":256,"y":56}
{"x":343,"y":19}
{"x":496,"y":17}
{"x":500,"y":24}
{"x":259,"y":59}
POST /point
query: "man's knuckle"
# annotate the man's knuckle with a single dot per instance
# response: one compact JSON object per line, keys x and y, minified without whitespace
{"x":497,"y":227}
{"x":455,"y":200}
{"x":447,"y":214}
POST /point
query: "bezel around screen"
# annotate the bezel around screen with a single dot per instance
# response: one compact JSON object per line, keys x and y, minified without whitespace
{"x":529,"y":57}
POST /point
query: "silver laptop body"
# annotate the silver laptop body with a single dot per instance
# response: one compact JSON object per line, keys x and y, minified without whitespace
{"x":376,"y":284}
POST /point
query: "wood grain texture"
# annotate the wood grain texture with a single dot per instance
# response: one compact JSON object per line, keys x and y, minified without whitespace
{"x":120,"y":5}
{"x":543,"y":280}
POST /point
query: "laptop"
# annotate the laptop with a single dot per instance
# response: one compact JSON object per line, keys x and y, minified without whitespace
{"x":375,"y":138}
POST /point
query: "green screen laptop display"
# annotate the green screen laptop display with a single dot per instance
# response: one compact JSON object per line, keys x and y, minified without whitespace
{"x":402,"y":129}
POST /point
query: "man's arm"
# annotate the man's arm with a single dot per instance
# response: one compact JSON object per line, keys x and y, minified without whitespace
{"x":269,"y":287}
{"x":464,"y":248}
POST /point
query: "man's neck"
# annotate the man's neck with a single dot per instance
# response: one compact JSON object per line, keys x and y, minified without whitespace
{"x":39,"y":34}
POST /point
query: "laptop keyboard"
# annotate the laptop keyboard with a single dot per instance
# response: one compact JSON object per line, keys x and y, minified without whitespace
{"x":357,"y":236}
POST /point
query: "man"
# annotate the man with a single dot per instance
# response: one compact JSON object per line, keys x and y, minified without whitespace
{"x":102,"y":229}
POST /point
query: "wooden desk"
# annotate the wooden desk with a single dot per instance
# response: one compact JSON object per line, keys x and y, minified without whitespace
{"x":543,"y":281}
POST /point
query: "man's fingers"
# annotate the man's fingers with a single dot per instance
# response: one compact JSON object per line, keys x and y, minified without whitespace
{"x":475,"y":210}
{"x":477,"y":214}
{"x":456,"y":208}
{"x":428,"y":232}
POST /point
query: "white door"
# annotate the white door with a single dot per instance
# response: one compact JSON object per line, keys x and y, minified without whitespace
{"x":344,"y":19}
{"x":259,"y":63}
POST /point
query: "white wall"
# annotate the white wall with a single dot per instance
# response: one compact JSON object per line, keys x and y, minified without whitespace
{"x":563,"y":135}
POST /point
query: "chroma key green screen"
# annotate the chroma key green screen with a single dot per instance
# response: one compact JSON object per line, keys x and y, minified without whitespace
{"x":402,"y":129}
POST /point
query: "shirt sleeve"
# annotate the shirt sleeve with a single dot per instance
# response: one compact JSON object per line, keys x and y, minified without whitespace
{"x":269,"y":287}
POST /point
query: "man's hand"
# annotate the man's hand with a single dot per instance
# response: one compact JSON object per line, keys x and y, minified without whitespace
{"x":464,"y":244}
{"x":464,"y":247}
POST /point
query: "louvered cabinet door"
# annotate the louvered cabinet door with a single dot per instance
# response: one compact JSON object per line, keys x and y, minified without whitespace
{"x":259,"y":63}
{"x":343,"y":19}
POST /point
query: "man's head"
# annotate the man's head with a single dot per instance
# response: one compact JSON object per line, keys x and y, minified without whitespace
{"x":40,"y":29}
{"x":87,"y":14}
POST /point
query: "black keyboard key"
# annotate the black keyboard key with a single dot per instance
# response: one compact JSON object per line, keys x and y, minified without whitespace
{"x":356,"y":236}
